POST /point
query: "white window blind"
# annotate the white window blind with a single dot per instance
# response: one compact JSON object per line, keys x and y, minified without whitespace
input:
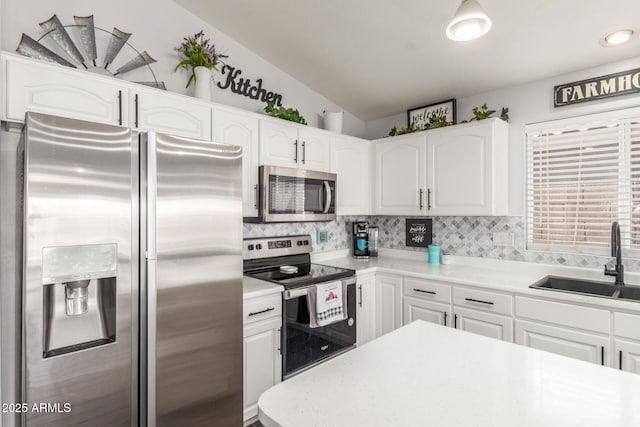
{"x":583,"y":174}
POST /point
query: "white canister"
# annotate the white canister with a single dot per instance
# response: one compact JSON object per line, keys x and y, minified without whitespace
{"x":333,"y":121}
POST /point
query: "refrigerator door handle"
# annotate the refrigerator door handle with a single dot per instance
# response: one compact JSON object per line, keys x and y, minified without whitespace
{"x":152,"y":193}
{"x":151,"y":340}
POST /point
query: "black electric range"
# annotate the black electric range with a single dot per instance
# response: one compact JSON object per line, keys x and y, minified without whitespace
{"x":286,"y":261}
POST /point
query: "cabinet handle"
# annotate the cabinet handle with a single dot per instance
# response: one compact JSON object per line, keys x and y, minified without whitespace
{"x":620,"y":359}
{"x":262,"y":311}
{"x":455,"y":321}
{"x":421,"y":199}
{"x":255,"y":189}
{"x":602,"y":355}
{"x":478,"y":301}
{"x":360,"y":290}
{"x":295,"y":156}
{"x":445,"y":318}
{"x":280,"y":346}
{"x":120,"y":107}
{"x":423,"y":291}
{"x":135,"y":101}
{"x":304,"y":152}
{"x":428,"y":199}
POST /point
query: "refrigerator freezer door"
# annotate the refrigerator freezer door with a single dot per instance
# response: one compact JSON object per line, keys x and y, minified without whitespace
{"x":195,"y":255}
{"x":79,"y":192}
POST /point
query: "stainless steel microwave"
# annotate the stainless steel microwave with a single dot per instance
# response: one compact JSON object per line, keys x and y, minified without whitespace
{"x":292,"y":195}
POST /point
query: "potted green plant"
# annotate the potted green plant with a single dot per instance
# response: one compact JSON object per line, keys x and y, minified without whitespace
{"x":199,"y":56}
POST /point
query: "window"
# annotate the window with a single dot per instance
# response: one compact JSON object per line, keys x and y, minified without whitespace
{"x":583,"y":174}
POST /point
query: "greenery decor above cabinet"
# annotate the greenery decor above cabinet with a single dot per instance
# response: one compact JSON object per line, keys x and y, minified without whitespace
{"x":455,"y":170}
{"x":294,"y":146}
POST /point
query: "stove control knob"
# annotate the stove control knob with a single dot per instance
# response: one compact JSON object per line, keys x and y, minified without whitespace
{"x":250,"y":247}
{"x":306,"y":242}
{"x":258,"y":246}
{"x":299,"y":242}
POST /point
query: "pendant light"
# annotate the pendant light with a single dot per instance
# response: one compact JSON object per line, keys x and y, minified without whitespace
{"x":469,"y":23}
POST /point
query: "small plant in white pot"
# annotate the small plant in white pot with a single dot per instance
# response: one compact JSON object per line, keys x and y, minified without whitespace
{"x":200,"y":57}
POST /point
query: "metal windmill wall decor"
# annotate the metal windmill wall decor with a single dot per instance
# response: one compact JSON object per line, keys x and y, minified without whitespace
{"x":85,"y":32}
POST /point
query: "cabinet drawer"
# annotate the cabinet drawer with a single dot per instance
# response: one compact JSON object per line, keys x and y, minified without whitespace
{"x":573,"y":316}
{"x":482,"y":300}
{"x":626,"y":325}
{"x":262,"y":308}
{"x":427,"y":290}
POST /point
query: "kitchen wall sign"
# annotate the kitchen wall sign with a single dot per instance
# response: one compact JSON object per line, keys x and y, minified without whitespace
{"x":606,"y":86}
{"x":420,"y":116}
{"x":418,"y":232}
{"x":243,"y":86}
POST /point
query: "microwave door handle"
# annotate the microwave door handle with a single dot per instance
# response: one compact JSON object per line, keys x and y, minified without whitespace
{"x":327,"y":203}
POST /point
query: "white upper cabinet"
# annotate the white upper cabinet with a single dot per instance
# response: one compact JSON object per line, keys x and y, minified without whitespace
{"x":236,"y":128}
{"x":31,"y":85}
{"x":294,"y":146}
{"x":400,"y":175}
{"x":350,"y":161}
{"x":160,"y":111}
{"x":468,"y":169}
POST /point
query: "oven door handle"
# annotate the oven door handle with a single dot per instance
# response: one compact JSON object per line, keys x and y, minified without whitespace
{"x":327,"y":203}
{"x":300,"y":292}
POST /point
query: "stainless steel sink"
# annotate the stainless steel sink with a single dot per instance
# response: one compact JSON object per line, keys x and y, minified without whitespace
{"x":588,"y":287}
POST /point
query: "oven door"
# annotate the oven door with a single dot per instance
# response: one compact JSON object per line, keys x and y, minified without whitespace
{"x":302,"y":346}
{"x":297,"y":195}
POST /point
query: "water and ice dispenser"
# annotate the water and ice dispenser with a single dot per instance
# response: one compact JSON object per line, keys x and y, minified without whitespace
{"x":79,"y":297}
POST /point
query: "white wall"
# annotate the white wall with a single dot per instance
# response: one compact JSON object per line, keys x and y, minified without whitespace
{"x":158,"y":26}
{"x":528,"y":103}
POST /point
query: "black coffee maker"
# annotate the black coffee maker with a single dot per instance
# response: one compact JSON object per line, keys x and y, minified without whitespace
{"x":361,"y":248}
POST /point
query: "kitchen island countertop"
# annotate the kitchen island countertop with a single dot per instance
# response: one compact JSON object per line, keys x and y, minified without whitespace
{"x":425,"y":374}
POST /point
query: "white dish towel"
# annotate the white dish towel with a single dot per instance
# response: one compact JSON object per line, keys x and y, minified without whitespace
{"x":327,"y":304}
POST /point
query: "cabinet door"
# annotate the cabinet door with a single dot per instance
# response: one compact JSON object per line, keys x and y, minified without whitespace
{"x":628,"y":354}
{"x":487,"y":324}
{"x":400,"y":176}
{"x":366,"y":309}
{"x":459,"y":170}
{"x":241,"y":129}
{"x":160,"y":111}
{"x":314,"y":150}
{"x":388,"y":303}
{"x":51,"y":89}
{"x":262,"y":362}
{"x":578,"y":345}
{"x":350,"y":161}
{"x":418,"y":309}
{"x":278,"y":144}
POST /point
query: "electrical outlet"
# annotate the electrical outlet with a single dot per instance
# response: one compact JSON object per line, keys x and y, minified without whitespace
{"x":503,"y":239}
{"x":322,"y":236}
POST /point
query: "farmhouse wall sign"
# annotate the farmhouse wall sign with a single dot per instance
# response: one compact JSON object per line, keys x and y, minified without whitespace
{"x":420,"y":116}
{"x":418,"y":232}
{"x":243,"y":86}
{"x":606,"y":86}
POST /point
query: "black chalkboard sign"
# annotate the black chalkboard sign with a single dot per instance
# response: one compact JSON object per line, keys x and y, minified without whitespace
{"x":418,"y":232}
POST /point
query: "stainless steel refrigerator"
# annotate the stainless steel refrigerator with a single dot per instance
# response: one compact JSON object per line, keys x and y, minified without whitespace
{"x":132,"y":277}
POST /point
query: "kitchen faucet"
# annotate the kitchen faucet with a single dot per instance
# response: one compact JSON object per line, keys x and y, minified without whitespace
{"x":616,"y":251}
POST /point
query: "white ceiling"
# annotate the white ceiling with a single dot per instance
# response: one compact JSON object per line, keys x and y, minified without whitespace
{"x":377,"y":58}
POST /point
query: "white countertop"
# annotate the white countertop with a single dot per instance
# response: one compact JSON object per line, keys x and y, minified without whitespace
{"x":253,"y":288}
{"x":425,"y":375}
{"x":508,"y":276}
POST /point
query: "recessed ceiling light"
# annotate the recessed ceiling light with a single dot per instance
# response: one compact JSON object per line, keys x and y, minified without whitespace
{"x":618,"y":37}
{"x":470,"y":22}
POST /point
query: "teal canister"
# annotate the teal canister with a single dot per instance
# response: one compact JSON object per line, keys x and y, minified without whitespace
{"x":434,"y":254}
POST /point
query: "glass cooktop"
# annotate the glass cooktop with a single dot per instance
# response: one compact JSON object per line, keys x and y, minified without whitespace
{"x":307,"y":274}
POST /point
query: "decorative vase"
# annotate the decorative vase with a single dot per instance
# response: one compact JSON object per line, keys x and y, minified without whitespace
{"x":203,"y":83}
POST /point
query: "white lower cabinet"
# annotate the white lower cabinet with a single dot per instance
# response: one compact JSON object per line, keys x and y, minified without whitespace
{"x":628,"y":354}
{"x":262,"y":361}
{"x":366,"y":308}
{"x":481,"y":323}
{"x":419,"y":309}
{"x":388,"y":303}
{"x":567,"y":342}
